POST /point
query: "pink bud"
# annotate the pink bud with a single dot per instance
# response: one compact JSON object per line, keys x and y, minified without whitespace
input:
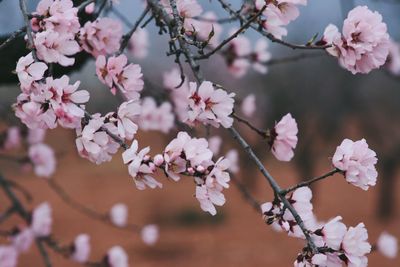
{"x":89,"y":8}
{"x":158,"y":160}
{"x":190,"y":170}
{"x":200,"y":169}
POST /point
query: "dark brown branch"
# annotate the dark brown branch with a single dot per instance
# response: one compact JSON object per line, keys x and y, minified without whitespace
{"x":262,"y":133}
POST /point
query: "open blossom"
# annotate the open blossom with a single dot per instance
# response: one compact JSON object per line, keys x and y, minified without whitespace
{"x":23,"y":240}
{"x":357,"y":161}
{"x":260,"y":56}
{"x":237,"y":55}
{"x":43,"y":159}
{"x":8,"y":256}
{"x":208,"y":197}
{"x":94,"y":143}
{"x":54,"y":47}
{"x":364,"y":42}
{"x":355,"y":245}
{"x":117,"y":257}
{"x":60,"y":16}
{"x":210,"y":106}
{"x":101,"y":37}
{"x":149,"y":234}
{"x":157,"y":118}
{"x":116,"y":74}
{"x":178,"y":95}
{"x":282,"y":219}
{"x":248,"y":106}
{"x":140,"y":167}
{"x":29,"y":71}
{"x":81,"y":248}
{"x":139,"y":43}
{"x":12,"y":138}
{"x":284,"y":138}
{"x":119,"y":214}
{"x":41,"y":220}
{"x":128,"y":112}
{"x":387,"y":244}
{"x":333,"y":232}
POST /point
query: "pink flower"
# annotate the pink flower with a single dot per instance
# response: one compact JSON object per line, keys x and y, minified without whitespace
{"x":33,"y":115}
{"x":89,"y":9}
{"x":140,"y":167}
{"x":210,"y":106}
{"x":233,"y":157}
{"x":260,"y":56}
{"x":149,"y":234}
{"x":53,"y":47}
{"x":357,"y":161}
{"x":128,"y":112}
{"x":214,"y":144}
{"x":43,"y":159}
{"x":101,"y":37}
{"x":174,"y":163}
{"x":81,"y":248}
{"x":274,"y":25}
{"x":94,"y":143}
{"x":157,"y":118}
{"x":364,"y":43}
{"x":8,"y":256}
{"x":139,"y":43}
{"x":29,"y":71}
{"x":333,"y":232}
{"x":355,"y":245}
{"x":23,"y":240}
{"x":41,"y":220}
{"x":13,"y":138}
{"x":59,"y":16}
{"x":119,"y":214}
{"x":117,"y":257}
{"x":237,"y":55}
{"x":116,"y":74}
{"x":393,"y":60}
{"x":248,"y":106}
{"x":284,"y":138}
{"x":387,"y":245}
{"x":208,"y":197}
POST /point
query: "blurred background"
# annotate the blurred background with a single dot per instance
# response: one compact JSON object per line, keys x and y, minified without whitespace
{"x":328,"y":102}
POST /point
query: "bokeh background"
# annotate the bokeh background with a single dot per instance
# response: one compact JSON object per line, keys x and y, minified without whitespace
{"x":328,"y":102}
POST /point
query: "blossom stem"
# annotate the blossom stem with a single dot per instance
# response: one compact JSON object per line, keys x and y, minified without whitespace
{"x":262,"y":133}
{"x":22,"y":5}
{"x":310,"y":181}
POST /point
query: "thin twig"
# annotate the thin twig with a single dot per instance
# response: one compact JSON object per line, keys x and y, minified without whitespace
{"x":310,"y":181}
{"x":262,"y":133}
{"x":44,"y":253}
{"x":126,"y":37}
{"x":12,"y":37}
{"x":22,"y":5}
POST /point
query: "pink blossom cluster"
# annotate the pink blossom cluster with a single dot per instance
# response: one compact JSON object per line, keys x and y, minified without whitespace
{"x":341,"y":245}
{"x":55,"y":25}
{"x":284,"y":138}
{"x":116,"y":73}
{"x":156,"y":118}
{"x":23,"y":237}
{"x":282,"y":219}
{"x":364,"y":42}
{"x":239,"y":56}
{"x":278,"y":14}
{"x":208,"y":105}
{"x":357,"y":161}
{"x":51,"y":102}
{"x":101,"y":37}
{"x":198,"y":25}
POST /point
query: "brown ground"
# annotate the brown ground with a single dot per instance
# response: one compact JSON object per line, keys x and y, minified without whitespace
{"x":236,"y":238}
